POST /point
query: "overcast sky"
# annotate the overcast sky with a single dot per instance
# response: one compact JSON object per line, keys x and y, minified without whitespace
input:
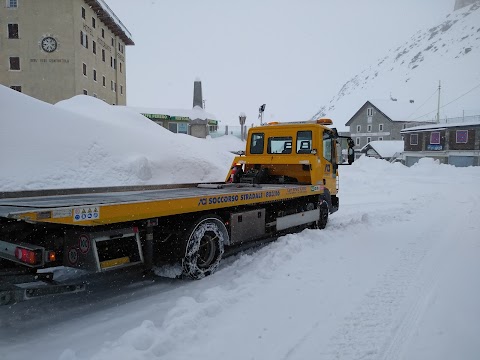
{"x":292,"y":55}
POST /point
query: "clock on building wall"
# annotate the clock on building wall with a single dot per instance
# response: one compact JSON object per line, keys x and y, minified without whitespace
{"x":49,"y":44}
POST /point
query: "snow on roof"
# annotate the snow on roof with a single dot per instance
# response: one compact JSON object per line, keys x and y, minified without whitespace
{"x":195,"y":113}
{"x":108,"y":17}
{"x":441,"y":126}
{"x":395,"y":110}
{"x":385,"y":149}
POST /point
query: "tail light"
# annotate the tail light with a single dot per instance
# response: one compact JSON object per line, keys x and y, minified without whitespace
{"x":31,"y":257}
{"x":51,"y":256}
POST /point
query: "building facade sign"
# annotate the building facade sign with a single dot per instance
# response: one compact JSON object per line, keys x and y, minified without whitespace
{"x":434,"y":147}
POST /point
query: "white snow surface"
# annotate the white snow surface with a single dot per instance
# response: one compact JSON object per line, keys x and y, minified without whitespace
{"x":393,"y":276}
{"x":84,"y":142}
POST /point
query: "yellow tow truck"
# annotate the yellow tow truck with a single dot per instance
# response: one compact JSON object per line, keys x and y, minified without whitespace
{"x":286,"y":180}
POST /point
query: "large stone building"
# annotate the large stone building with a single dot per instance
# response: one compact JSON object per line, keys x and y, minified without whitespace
{"x":379,"y":120}
{"x":55,"y":49}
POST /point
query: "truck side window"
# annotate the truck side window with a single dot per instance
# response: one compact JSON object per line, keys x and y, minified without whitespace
{"x":304,"y":142}
{"x":327,"y":146}
{"x":279,"y":145}
{"x":256,"y":143}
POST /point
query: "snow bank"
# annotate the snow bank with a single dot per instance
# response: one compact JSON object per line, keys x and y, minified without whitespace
{"x":84,"y":142}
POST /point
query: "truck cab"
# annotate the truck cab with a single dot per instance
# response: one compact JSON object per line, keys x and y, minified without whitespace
{"x":304,"y":153}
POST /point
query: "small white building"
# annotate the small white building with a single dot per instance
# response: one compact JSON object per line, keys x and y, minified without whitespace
{"x":387,"y":150}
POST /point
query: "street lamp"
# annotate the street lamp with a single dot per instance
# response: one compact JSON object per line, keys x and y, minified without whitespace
{"x":242,"y":119}
{"x":260,"y":113}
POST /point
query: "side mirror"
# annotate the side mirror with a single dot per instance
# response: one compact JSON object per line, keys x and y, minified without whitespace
{"x":351,"y":156}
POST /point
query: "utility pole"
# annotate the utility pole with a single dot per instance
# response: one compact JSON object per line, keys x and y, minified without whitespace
{"x":438,"y":107}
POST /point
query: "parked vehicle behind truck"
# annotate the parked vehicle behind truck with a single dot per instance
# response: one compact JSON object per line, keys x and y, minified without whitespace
{"x":286,"y":180}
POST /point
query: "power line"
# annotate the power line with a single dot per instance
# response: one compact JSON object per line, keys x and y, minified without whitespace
{"x":441,"y":107}
{"x":422,"y":104}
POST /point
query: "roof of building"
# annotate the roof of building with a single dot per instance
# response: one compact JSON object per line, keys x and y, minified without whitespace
{"x":386,"y":149}
{"x":440,"y":126}
{"x":195,"y":113}
{"x":393,"y":110}
{"x":108,"y":17}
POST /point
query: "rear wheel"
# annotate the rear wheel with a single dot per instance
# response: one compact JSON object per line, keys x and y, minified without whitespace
{"x":322,"y":221}
{"x":205,"y":247}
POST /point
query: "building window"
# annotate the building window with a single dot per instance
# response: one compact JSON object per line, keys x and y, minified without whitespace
{"x":14,"y":63}
{"x":369,"y":111}
{"x":462,"y":136}
{"x":111,"y":61}
{"x":435,"y":138}
{"x":94,"y":47}
{"x":357,"y":141}
{"x":85,"y":92}
{"x":104,"y":81}
{"x":114,"y":63}
{"x":103,"y":33}
{"x":84,"y":39}
{"x":16,"y":88}
{"x":113,"y":86}
{"x":121,"y":89}
{"x":13,"y":31}
{"x":359,"y":127}
{"x":120,"y":67}
{"x":380,"y":138}
{"x":83,"y":12}
{"x":103,"y":55}
{"x":369,"y":139}
{"x":12,"y":3}
{"x":413,"y":139}
{"x":369,"y":128}
{"x":94,"y":75}
{"x":113,"y":42}
{"x":84,"y":69}
{"x":380,"y":127}
{"x":93,"y":22}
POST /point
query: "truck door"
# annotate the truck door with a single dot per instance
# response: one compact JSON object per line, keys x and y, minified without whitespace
{"x":329,"y":157}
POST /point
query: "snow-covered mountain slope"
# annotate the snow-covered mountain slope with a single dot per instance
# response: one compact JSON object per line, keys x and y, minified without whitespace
{"x":449,"y":52}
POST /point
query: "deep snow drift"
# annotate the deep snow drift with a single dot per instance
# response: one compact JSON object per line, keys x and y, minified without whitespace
{"x":84,"y":142}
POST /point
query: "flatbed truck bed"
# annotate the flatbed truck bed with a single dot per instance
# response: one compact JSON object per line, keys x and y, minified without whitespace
{"x":116,"y":205}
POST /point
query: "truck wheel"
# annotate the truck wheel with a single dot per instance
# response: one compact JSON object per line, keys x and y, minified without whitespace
{"x":323,"y":220}
{"x":205,"y":247}
{"x":5,"y":298}
{"x":321,"y":223}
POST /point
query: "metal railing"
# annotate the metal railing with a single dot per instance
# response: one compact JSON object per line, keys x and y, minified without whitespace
{"x":460,"y":119}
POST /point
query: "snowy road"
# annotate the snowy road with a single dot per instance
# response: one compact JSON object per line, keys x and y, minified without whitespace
{"x":393,"y":276}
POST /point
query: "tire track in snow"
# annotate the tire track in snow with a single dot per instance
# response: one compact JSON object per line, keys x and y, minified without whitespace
{"x":384,"y":321}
